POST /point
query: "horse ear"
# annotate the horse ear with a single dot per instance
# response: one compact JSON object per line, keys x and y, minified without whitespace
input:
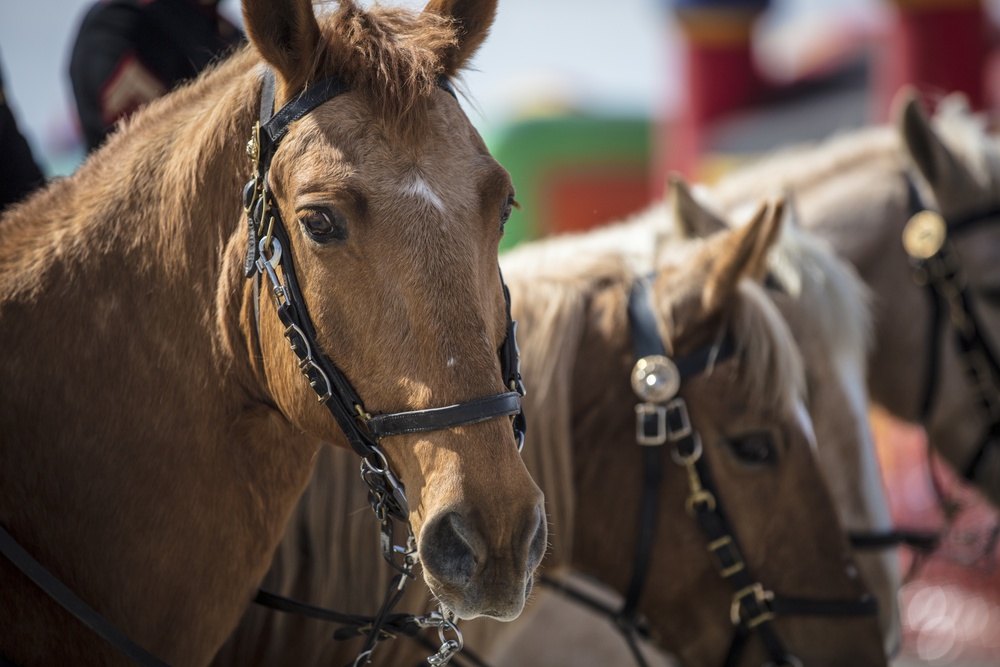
{"x":766,"y":238}
{"x":286,"y":35}
{"x":743,"y":253}
{"x":473,"y":20}
{"x":930,"y":155}
{"x":791,"y":218}
{"x":692,"y":219}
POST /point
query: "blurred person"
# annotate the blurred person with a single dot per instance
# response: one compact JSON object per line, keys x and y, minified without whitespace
{"x":129,"y":52}
{"x":19,"y":173}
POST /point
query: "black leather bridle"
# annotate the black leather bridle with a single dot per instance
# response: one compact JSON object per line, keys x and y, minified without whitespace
{"x":268,"y":249}
{"x":662,"y":418}
{"x":937,"y":267}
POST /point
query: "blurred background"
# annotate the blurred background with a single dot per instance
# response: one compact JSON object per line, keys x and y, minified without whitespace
{"x":589,"y":104}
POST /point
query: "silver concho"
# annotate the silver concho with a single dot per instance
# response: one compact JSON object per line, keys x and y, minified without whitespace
{"x":655,"y":379}
{"x":924,"y":235}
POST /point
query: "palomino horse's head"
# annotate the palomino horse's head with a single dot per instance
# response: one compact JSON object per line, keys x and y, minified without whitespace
{"x":745,"y":401}
{"x":393,"y":210}
{"x":824,"y":303}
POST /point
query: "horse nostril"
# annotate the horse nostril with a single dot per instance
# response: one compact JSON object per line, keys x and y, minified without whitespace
{"x":446,"y":550}
{"x":539,"y":541}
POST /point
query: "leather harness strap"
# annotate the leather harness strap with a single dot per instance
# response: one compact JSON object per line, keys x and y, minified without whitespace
{"x":73,"y":603}
{"x":937,"y":268}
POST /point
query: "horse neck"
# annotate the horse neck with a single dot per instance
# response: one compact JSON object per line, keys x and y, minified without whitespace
{"x":121,"y":303}
{"x":154,"y":210}
{"x":607,"y":462}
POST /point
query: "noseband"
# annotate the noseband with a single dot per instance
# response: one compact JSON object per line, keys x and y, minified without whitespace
{"x":937,"y":267}
{"x":662,"y":418}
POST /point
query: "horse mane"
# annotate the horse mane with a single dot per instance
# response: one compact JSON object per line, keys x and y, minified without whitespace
{"x":809,"y":270}
{"x":965,"y":133}
{"x":806,"y":164}
{"x":771,"y":374}
{"x":550,"y":303}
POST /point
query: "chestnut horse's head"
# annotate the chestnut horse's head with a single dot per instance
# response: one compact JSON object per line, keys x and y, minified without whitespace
{"x":391,"y":210}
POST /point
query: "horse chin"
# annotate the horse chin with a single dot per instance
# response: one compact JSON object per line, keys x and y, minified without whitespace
{"x":465,"y":605}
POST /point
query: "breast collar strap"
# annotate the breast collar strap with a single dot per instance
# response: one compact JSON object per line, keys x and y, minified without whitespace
{"x":753,"y":608}
{"x":938,"y":269}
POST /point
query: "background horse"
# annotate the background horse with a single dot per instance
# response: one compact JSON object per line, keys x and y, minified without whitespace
{"x":577,"y":353}
{"x":825,"y":305}
{"x":156,"y":431}
{"x":858,"y":191}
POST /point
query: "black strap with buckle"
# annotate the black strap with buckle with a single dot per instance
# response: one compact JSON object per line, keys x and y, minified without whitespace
{"x":753,"y":607}
{"x":940,"y":272}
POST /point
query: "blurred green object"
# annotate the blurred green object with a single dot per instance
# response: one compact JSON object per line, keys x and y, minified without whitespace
{"x":573,"y":172}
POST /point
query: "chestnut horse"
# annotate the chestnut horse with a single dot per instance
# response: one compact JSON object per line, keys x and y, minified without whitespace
{"x":758,"y":442}
{"x":156,"y":429}
{"x":859,"y":191}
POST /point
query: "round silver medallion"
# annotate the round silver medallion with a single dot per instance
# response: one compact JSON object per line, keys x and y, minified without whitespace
{"x":924,"y":234}
{"x":655,"y":379}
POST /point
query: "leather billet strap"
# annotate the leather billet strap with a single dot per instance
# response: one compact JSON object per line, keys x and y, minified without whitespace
{"x":646,"y":342}
{"x":942,"y":275}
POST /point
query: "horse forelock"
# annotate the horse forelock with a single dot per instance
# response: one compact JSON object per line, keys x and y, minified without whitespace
{"x":392,"y":56}
{"x":771,"y":373}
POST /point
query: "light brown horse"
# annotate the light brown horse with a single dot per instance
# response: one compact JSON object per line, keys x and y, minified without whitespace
{"x":858,"y":191}
{"x":155,"y":434}
{"x":577,"y":355}
{"x":825,"y":305}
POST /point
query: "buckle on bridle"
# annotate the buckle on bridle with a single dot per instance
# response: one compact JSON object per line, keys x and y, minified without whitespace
{"x":727,"y":556}
{"x":756,"y":602}
{"x":650,"y":424}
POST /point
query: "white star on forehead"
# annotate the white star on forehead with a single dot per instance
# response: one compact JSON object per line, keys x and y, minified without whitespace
{"x":418,"y":187}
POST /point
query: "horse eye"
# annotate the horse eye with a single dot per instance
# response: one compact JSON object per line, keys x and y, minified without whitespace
{"x":754,"y":448}
{"x":324,"y":224}
{"x":506,"y":210}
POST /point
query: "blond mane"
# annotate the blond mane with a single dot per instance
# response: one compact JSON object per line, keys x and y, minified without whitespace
{"x":801,"y":166}
{"x":966,"y":134}
{"x":807,"y":268}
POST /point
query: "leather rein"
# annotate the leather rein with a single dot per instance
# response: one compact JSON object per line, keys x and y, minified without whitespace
{"x":268,"y":250}
{"x":662,"y":419}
